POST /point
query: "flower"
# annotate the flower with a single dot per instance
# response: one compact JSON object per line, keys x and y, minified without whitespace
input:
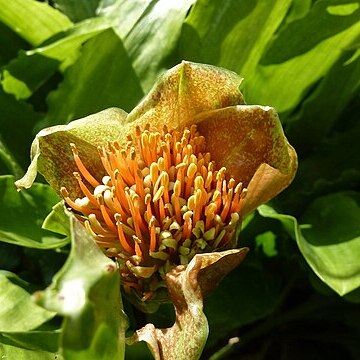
{"x":173,"y":178}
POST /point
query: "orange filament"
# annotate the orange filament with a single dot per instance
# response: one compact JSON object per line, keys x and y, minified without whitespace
{"x":160,"y":197}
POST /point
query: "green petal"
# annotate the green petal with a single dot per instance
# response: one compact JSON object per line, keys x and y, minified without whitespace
{"x":51,"y":153}
{"x":185,"y":91}
{"x":187,"y":286}
{"x":249,"y":141}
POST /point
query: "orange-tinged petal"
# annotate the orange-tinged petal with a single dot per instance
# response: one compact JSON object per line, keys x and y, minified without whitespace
{"x":249,"y":141}
{"x":185,"y":91}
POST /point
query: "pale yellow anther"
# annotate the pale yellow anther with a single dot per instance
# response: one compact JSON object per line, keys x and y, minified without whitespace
{"x":199,"y":183}
{"x":210,"y":209}
{"x":243,"y":193}
{"x":177,"y":188}
{"x":235,"y":217}
{"x":231,"y":183}
{"x":147,"y":199}
{"x":238,"y":188}
{"x":187,"y":215}
{"x":161,"y":164}
{"x":216,"y":195}
{"x":159,"y":193}
{"x":154,"y":172}
{"x":191,"y":203}
{"x":191,"y":171}
{"x":144,"y":140}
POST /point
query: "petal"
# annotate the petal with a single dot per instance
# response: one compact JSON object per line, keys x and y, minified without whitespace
{"x":249,"y":141}
{"x":185,"y":91}
{"x":52,"y":156}
{"x":187,"y":285}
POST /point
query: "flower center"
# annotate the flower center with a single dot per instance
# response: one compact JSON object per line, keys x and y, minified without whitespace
{"x":161,"y":202}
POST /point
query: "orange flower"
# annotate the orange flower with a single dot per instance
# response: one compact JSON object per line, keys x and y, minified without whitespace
{"x":171,"y":179}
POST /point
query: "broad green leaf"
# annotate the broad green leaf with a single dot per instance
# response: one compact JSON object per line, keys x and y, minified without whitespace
{"x":18,"y":312}
{"x":36,"y":345}
{"x":330,"y":241}
{"x":10,"y":44}
{"x":9,"y":161}
{"x":86,"y":291}
{"x":149,"y":31}
{"x":245,"y":39}
{"x":335,"y":165}
{"x":57,"y":220}
{"x":321,"y":110}
{"x":96,"y":81}
{"x":65,"y":48}
{"x":77,"y":10}
{"x":32,"y":20}
{"x":301,"y":66}
{"x":232,"y":34}
{"x":46,"y":341}
{"x":18,"y":80}
{"x":18,"y":353}
{"x":17,"y":121}
{"x":28,"y":208}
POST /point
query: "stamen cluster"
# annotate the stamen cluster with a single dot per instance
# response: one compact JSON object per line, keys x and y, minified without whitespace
{"x":161,"y":202}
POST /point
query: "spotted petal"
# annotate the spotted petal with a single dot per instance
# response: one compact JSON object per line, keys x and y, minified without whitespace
{"x":51,"y":152}
{"x":249,"y":141}
{"x":185,"y":91}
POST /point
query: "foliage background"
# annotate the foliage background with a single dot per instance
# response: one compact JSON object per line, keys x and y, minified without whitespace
{"x":296,"y":296}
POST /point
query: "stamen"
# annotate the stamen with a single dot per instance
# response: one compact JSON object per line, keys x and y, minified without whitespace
{"x":161,"y":201}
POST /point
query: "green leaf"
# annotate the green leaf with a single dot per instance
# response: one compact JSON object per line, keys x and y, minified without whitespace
{"x":65,"y":47}
{"x":96,"y":81}
{"x":330,"y":243}
{"x":250,"y":37}
{"x":86,"y":291}
{"x":17,"y":121}
{"x":233,"y":34}
{"x":77,"y":10}
{"x":35,"y":340}
{"x":301,"y":66}
{"x":28,"y":209}
{"x":8,"y":159}
{"x":18,"y":312}
{"x":10,"y":44}
{"x":57,"y":220}
{"x":322,"y":109}
{"x":16,"y":78}
{"x":32,"y":20}
{"x":15,"y":352}
{"x":149,"y":30}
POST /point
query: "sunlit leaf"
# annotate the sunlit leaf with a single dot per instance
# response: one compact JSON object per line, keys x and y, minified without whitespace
{"x":28,"y":209}
{"x":77,"y":10}
{"x":86,"y":292}
{"x":33,"y":20}
{"x":330,"y":241}
{"x":18,"y":312}
{"x":97,"y":81}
